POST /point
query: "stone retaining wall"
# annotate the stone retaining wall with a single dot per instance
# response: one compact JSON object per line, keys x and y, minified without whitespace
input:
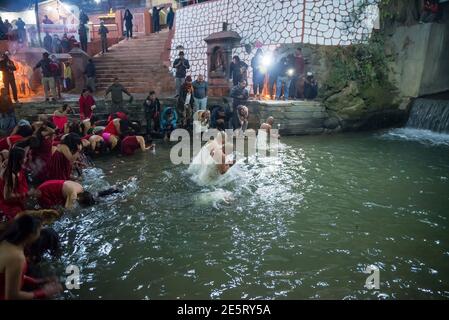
{"x":294,"y":117}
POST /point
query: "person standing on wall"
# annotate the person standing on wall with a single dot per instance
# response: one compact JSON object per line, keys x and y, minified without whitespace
{"x":128,"y":18}
{"x":238,"y":70}
{"x":181,"y":65}
{"x":84,"y":18}
{"x":103,"y":32}
{"x":310,"y":87}
{"x":156,"y":19}
{"x":7,"y":68}
{"x":258,"y":74}
{"x":21,"y":30}
{"x":82,"y":31}
{"x":200,"y":94}
{"x":299,"y":64}
{"x":286,"y":73}
{"x":47,"y":77}
{"x":273,"y":73}
{"x":48,"y":42}
{"x":90,"y":73}
{"x":170,"y":18}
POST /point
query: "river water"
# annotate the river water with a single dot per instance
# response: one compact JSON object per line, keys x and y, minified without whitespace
{"x":305,"y":225}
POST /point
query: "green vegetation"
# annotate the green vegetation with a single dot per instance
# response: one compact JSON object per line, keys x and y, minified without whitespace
{"x":364,"y":63}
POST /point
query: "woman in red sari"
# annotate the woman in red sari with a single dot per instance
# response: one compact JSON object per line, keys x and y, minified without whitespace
{"x":87,"y":104}
{"x":13,"y":185}
{"x":113,"y":131}
{"x":41,"y":154}
{"x":61,"y":162}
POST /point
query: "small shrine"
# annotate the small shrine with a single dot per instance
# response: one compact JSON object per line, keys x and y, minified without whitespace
{"x":219,"y":57}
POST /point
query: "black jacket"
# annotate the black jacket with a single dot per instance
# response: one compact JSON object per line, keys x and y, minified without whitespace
{"x":181,"y":69}
{"x":170,"y":18}
{"x":90,"y":70}
{"x":44,"y":64}
{"x":151,"y":107}
{"x":238,"y":71}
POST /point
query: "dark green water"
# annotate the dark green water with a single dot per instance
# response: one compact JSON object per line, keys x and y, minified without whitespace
{"x":304,"y":226}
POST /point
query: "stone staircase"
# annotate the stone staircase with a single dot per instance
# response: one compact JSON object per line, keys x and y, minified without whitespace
{"x":138,"y":65}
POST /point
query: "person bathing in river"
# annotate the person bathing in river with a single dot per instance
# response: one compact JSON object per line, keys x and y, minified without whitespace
{"x":60,"y":118}
{"x":132,"y":143}
{"x":63,"y":158}
{"x":64,"y":193}
{"x":13,"y":185}
{"x":21,"y":233}
{"x":216,"y":149}
{"x":113,"y":131}
{"x":268,"y":126}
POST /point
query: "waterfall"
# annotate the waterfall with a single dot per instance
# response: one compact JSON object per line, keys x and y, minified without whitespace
{"x":430,"y":115}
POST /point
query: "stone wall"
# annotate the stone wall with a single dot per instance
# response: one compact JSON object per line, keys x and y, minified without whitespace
{"x":293,"y":117}
{"x":421,"y":58}
{"x":265,"y":24}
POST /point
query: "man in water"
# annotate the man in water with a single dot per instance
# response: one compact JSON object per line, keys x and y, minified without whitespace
{"x":268,"y":126}
{"x":217,"y":152}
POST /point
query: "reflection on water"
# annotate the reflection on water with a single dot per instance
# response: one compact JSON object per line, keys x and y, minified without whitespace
{"x":305,"y":225}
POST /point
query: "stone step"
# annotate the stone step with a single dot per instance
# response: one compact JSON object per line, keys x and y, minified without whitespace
{"x":131,"y":72}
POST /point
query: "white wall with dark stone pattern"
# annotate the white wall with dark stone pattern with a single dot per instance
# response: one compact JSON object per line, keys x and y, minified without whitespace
{"x":269,"y":22}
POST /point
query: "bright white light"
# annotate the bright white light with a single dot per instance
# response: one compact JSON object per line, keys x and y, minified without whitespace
{"x":97,"y":1}
{"x":267,"y":60}
{"x":290,"y":72}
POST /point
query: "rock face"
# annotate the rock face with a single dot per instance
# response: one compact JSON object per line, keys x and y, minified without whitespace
{"x":358,"y":108}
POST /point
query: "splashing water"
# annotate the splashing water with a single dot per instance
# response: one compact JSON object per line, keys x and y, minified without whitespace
{"x":303,"y":225}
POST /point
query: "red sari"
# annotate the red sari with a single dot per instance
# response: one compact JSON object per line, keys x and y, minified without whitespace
{"x":86,"y":104}
{"x":111,"y":129}
{"x":129,"y":145}
{"x":41,"y":157}
{"x":51,"y":194}
{"x":10,"y":208}
{"x":12,"y":140}
{"x":59,"y":167}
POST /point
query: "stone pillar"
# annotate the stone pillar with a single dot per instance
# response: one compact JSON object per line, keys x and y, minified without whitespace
{"x":79,"y":62}
{"x":147,"y":22}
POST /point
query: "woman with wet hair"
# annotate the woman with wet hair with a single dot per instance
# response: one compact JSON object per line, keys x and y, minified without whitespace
{"x":60,"y":193}
{"x":41,"y":154}
{"x":21,"y":233}
{"x":13,"y":185}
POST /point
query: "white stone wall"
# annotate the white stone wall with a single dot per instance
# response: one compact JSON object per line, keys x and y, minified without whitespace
{"x":270,"y":22}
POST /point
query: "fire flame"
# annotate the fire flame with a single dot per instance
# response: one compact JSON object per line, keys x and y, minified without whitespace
{"x":23,"y":76}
